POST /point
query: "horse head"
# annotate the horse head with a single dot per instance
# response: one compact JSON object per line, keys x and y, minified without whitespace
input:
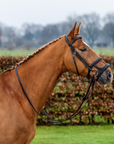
{"x":81,"y":59}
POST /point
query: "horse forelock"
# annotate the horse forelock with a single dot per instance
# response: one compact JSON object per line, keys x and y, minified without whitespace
{"x":31,"y":55}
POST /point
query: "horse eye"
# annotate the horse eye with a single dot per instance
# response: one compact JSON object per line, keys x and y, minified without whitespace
{"x":83,"y":49}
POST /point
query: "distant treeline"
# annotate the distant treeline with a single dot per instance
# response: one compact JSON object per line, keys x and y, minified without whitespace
{"x":95,"y":31}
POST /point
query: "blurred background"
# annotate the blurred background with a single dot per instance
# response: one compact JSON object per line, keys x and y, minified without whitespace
{"x":26,"y":25}
{"x":29,"y":24}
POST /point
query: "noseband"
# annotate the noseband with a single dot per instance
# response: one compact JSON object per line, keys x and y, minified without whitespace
{"x":92,"y":82}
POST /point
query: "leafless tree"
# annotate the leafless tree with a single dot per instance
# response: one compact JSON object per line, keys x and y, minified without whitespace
{"x":0,"y":37}
{"x":109,"y":26}
{"x":9,"y":36}
{"x":90,"y":27}
{"x":49,"y":33}
{"x":1,"y":33}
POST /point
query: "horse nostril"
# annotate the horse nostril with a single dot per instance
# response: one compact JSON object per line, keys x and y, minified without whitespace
{"x":109,"y":75}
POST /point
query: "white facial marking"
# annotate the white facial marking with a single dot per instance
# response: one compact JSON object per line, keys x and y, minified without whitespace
{"x":86,"y":44}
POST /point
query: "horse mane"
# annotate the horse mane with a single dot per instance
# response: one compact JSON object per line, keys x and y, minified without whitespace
{"x":34,"y":53}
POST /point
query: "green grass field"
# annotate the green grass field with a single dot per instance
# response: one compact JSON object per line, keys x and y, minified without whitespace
{"x":93,"y":134}
{"x":15,"y":52}
{"x":108,"y":51}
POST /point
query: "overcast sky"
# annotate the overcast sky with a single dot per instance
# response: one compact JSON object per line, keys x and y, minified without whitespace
{"x":17,"y":12}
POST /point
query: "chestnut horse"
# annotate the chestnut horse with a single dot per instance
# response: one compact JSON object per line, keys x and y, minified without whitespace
{"x":39,"y":74}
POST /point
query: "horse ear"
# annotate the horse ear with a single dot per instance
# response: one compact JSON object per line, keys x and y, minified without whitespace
{"x":77,"y":30}
{"x":71,"y":35}
{"x":74,"y":32}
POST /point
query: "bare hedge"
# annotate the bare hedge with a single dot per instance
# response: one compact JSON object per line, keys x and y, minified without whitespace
{"x":67,"y":96}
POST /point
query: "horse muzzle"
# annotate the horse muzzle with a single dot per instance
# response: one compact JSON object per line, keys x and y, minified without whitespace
{"x":105,"y":78}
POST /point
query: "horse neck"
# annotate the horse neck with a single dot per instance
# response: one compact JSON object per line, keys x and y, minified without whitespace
{"x":40,"y":73}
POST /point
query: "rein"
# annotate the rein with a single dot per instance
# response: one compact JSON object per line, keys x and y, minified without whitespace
{"x":92,"y":82}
